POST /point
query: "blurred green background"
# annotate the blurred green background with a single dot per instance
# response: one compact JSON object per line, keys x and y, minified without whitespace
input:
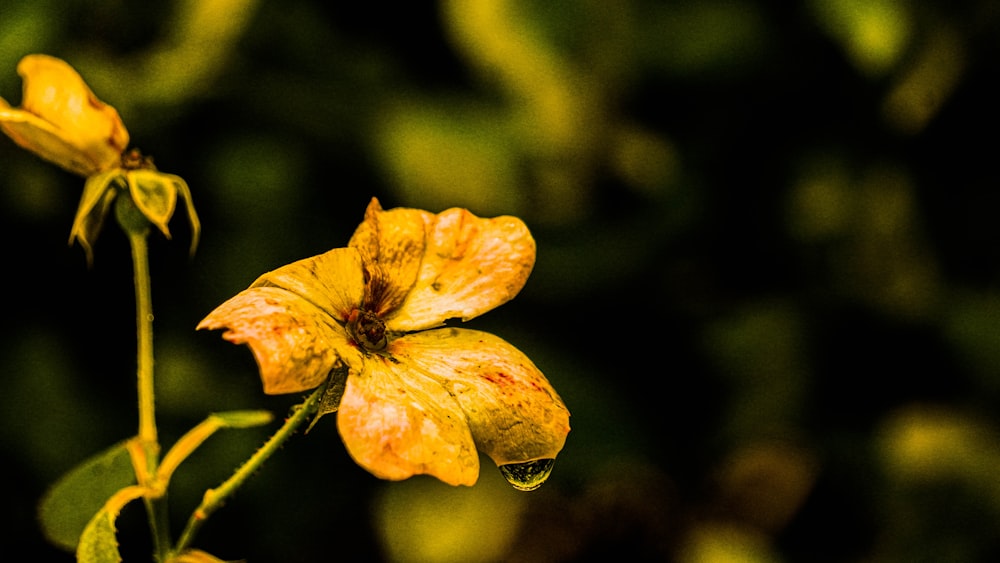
{"x":766,"y":283}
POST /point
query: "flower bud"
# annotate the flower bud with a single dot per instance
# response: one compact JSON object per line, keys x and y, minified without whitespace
{"x":61,"y":120}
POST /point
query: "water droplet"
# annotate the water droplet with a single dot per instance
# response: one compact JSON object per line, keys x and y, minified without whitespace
{"x":527,"y":476}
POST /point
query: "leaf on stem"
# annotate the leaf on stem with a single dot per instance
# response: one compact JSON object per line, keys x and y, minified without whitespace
{"x":243,"y":419}
{"x":98,"y":542}
{"x":68,"y":506}
{"x":194,"y":438}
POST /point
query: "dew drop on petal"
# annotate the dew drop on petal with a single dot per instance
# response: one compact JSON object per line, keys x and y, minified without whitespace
{"x":527,"y":476}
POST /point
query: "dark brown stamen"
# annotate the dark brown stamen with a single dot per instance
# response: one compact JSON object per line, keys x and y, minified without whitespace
{"x":367,"y":330}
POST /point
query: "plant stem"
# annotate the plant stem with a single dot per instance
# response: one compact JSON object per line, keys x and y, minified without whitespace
{"x":215,"y":498}
{"x":144,"y":326}
{"x":136,"y":227}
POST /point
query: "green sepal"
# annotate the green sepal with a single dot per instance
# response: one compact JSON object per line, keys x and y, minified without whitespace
{"x":98,"y":193}
{"x":156,"y":193}
{"x":185,"y":194}
{"x":329,"y":402}
{"x":71,"y":502}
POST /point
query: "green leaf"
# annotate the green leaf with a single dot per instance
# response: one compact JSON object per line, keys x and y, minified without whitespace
{"x":193,"y":438}
{"x":72,"y":501}
{"x":98,"y":542}
{"x":244,"y":419}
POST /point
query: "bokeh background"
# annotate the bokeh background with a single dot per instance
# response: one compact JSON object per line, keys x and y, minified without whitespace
{"x":766,"y":283}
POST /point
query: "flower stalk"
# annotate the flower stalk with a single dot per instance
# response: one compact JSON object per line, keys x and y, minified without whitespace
{"x":137,"y":229}
{"x":213,"y":499}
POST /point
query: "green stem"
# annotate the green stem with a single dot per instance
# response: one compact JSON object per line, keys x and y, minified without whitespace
{"x":144,"y":325}
{"x":136,"y":227}
{"x":215,"y":498}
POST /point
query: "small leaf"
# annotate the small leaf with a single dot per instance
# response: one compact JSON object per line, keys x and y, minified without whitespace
{"x":244,"y":419}
{"x":194,"y":438}
{"x":98,"y":542}
{"x":72,"y":501}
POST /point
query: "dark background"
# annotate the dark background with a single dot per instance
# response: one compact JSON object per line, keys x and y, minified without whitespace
{"x":766,"y":283}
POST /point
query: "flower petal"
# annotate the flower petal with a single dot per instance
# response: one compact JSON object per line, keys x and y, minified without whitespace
{"x":397,"y":424}
{"x":44,"y":139}
{"x":71,"y":127}
{"x":470,"y":265}
{"x":391,"y":244}
{"x":514,"y":413}
{"x":295,"y":343}
{"x":332,"y":281}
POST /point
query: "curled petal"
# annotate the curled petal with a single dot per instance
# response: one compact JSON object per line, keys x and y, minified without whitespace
{"x":513,"y":412}
{"x":295,"y":343}
{"x":470,"y":265}
{"x":61,"y":120}
{"x":396,"y":425}
{"x":43,"y":138}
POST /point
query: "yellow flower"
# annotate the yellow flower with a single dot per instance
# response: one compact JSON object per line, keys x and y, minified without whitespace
{"x":420,"y":397}
{"x":61,"y":120}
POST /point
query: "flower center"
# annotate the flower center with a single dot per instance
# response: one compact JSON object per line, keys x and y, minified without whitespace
{"x":367,"y":330}
{"x":134,"y":160}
